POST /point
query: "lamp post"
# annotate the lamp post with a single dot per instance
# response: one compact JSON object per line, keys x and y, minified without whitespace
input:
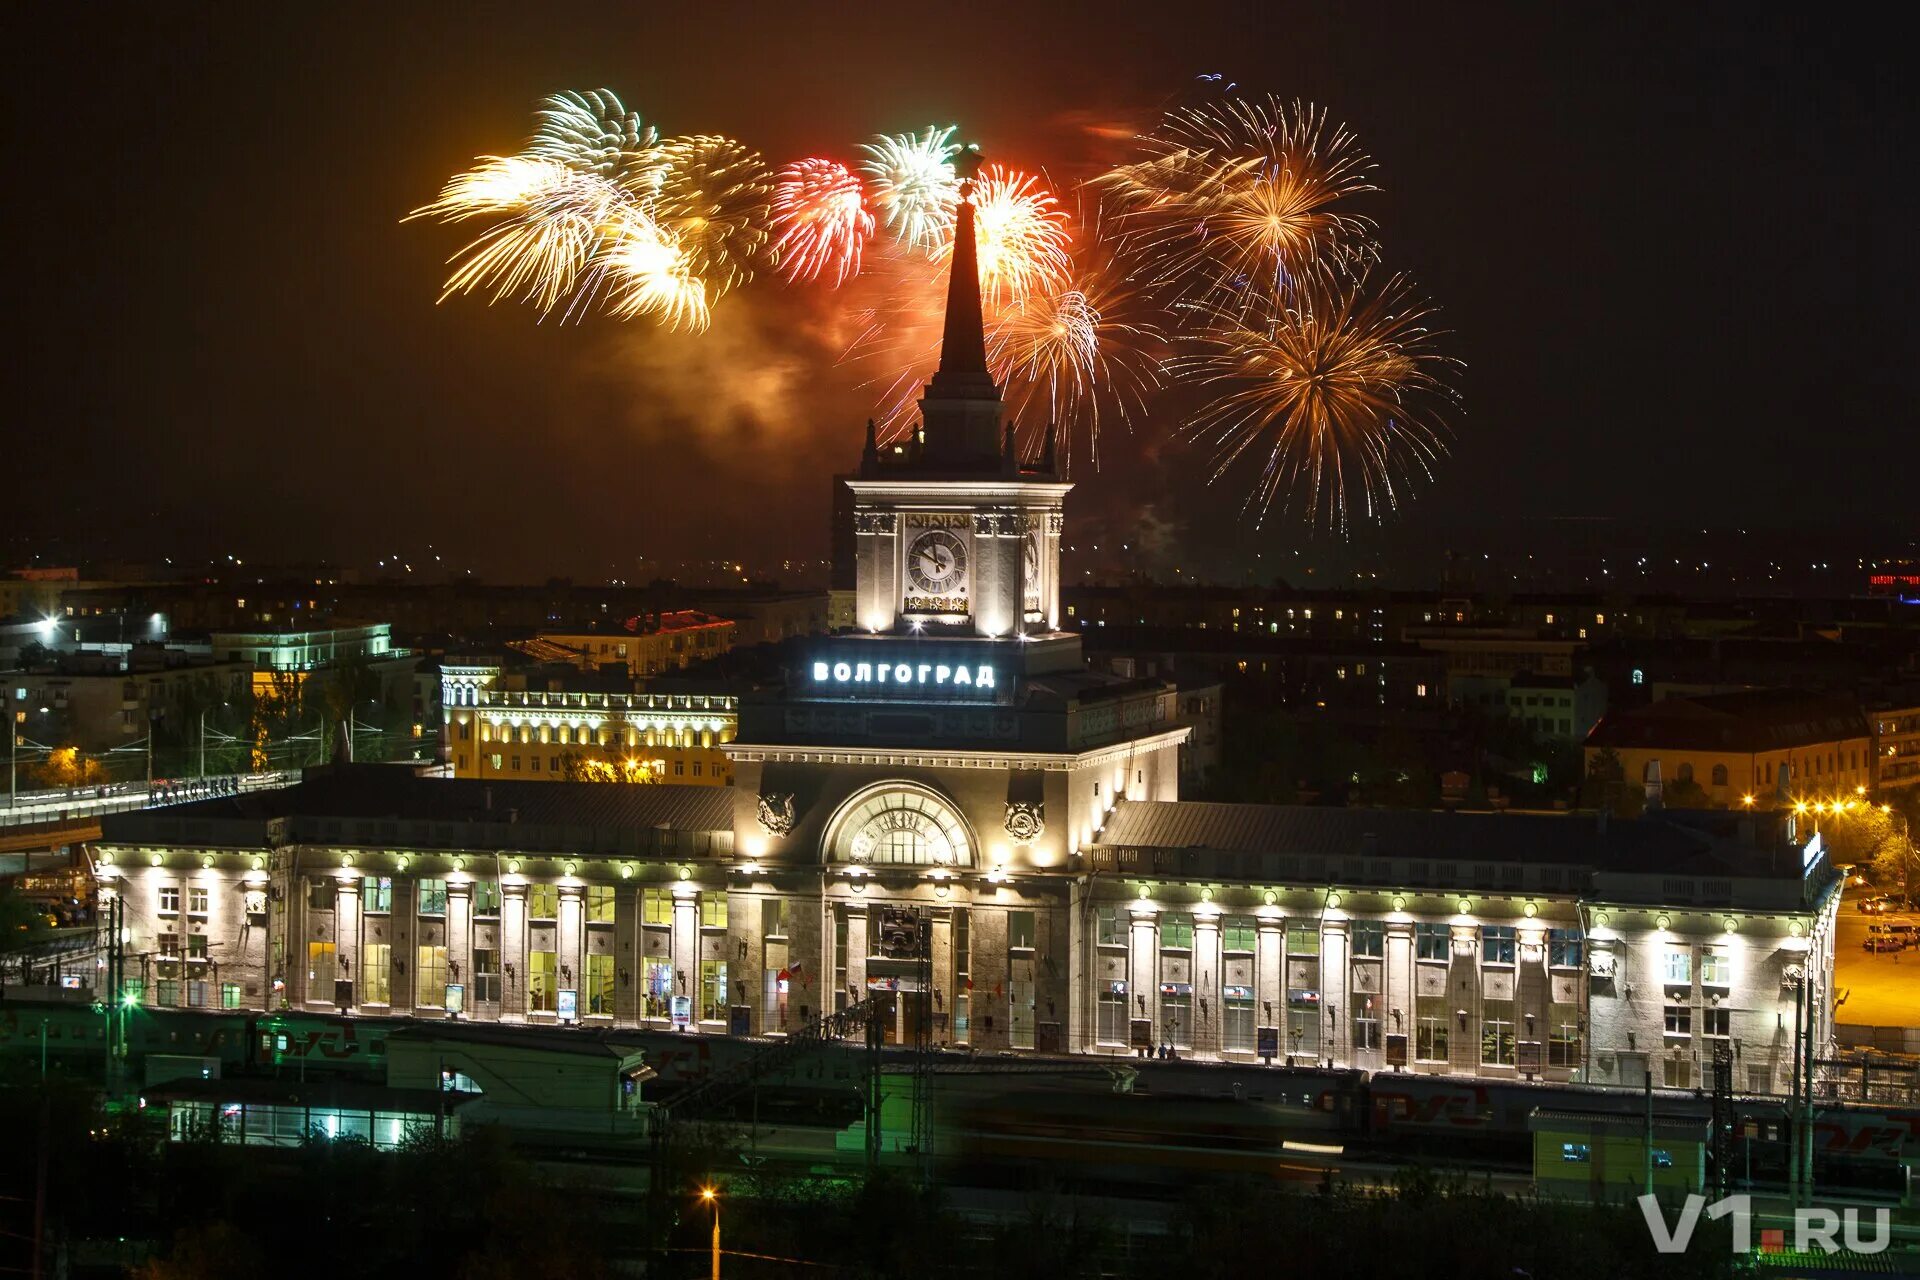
{"x":712,"y":1198}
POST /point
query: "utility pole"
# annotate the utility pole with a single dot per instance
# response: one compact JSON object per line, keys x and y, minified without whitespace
{"x":203,"y":744}
{"x":1647,"y":1147}
{"x":1804,"y":1139}
{"x":1793,"y":1110}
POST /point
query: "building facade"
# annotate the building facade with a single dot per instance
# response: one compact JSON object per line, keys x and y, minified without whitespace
{"x":947,"y":813}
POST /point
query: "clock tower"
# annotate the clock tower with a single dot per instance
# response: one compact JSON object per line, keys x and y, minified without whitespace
{"x":956,"y":534}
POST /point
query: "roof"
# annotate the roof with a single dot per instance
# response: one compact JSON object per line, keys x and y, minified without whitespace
{"x":592,"y":1043}
{"x":460,"y":812}
{"x":1748,"y":721}
{"x":351,"y":1095}
{"x":1405,"y":833}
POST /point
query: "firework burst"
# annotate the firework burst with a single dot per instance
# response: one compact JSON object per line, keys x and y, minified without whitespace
{"x":911,"y":177}
{"x":1090,"y":347}
{"x":649,"y":273}
{"x":1335,"y":393}
{"x":821,"y":220}
{"x":590,"y":132}
{"x":1240,"y":198}
{"x":542,"y":250}
{"x":710,"y":194}
{"x":1020,"y":234}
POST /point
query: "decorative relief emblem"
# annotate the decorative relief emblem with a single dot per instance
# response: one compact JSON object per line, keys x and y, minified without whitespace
{"x":776,"y":812}
{"x":1600,"y":964}
{"x":996,"y":524}
{"x":1026,"y":820}
{"x":1056,"y":521}
{"x":875,"y":522}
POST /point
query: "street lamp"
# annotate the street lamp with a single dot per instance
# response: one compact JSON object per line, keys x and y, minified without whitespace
{"x":712,"y":1197}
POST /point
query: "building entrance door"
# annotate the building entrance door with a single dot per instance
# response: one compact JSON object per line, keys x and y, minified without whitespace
{"x":887,"y":1012}
{"x":913,"y":1009}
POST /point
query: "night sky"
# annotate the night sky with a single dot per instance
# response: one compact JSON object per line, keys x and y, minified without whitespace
{"x":1674,"y":249}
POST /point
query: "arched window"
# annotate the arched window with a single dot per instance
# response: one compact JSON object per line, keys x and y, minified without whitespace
{"x":1685,"y":772}
{"x":1719,"y":775}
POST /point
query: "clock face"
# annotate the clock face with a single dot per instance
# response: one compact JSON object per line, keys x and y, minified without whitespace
{"x":937,"y":563}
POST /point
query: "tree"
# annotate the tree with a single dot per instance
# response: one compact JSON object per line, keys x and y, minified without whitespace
{"x":67,"y":767}
{"x":1684,"y":793}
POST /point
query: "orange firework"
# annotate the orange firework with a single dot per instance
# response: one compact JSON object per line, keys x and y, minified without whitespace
{"x":1242,"y":198}
{"x":820,"y":220}
{"x":1335,"y":393}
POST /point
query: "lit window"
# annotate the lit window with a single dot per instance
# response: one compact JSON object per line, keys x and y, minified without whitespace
{"x":1577,"y":1153}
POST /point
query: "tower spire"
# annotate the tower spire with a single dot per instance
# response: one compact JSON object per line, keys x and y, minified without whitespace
{"x":963,"y":340}
{"x":960,"y":412}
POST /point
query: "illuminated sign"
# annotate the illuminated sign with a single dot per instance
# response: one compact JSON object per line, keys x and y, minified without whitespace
{"x":918,"y":675}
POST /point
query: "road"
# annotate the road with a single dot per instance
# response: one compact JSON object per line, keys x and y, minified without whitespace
{"x":1882,"y":988}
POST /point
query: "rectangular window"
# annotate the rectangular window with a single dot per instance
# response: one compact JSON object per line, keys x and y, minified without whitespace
{"x":1238,"y":933}
{"x":1303,"y":1026}
{"x":170,"y":900}
{"x":599,"y":904}
{"x":1432,"y":941}
{"x":486,"y":975}
{"x":321,"y":971}
{"x":600,"y":985}
{"x":1366,"y":1029}
{"x":1236,"y":1024}
{"x":773,"y":918}
{"x":486,"y":897}
{"x":1717,"y":1022}
{"x":1565,"y":948}
{"x":1176,"y":1014}
{"x":1496,"y":1033}
{"x":713,"y":910}
{"x":1563,"y":1038}
{"x":543,"y":902}
{"x":1176,"y":930}
{"x":1677,"y":1072}
{"x":430,"y":973}
{"x":543,"y":972}
{"x":656,"y":906}
{"x":1679,"y":967}
{"x":1111,"y":925}
{"x":229,"y":995}
{"x":713,"y":990}
{"x":1110,"y":1008}
{"x":1716,"y":968}
{"x":1496,"y":944}
{"x":1679,"y":1019}
{"x":1021,"y":930}
{"x":1576,"y":1153}
{"x":197,"y":900}
{"x":773,"y":1006}
{"x":1303,"y":939}
{"x":376,"y":894}
{"x":1369,"y":938}
{"x":1020,"y":1000}
{"x":432,"y":897}
{"x":658,"y":989}
{"x":376,"y":973}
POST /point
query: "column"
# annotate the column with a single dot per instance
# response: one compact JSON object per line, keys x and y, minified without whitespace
{"x":856,"y":951}
{"x":1463,"y":1001}
{"x":1207,"y":1009}
{"x":1143,"y":973}
{"x":460,"y":939}
{"x":513,"y":950}
{"x":293,"y":946}
{"x":404,"y":924}
{"x":940,"y":969}
{"x":627,"y":959}
{"x":1270,"y":994}
{"x":1397,"y":981}
{"x":346,"y":935}
{"x":686,"y":948}
{"x":570,"y":947}
{"x":1336,"y":994}
{"x":1532,"y":996}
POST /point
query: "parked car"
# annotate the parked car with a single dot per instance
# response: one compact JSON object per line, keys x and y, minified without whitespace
{"x":1880,"y":904}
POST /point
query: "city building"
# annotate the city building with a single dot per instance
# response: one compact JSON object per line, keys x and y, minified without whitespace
{"x":1733,"y":745}
{"x":1896,"y":747}
{"x":948,"y":813}
{"x":96,"y":701}
{"x":646,"y":644}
